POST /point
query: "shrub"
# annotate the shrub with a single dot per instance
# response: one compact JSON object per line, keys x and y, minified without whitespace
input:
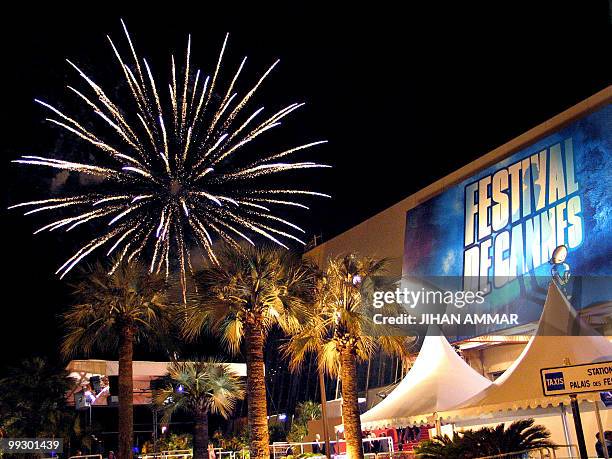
{"x":521,"y":435}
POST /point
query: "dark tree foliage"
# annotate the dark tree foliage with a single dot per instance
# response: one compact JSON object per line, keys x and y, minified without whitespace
{"x":32,"y":400}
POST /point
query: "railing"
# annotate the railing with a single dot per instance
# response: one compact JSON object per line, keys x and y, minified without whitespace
{"x":174,"y":454}
{"x":187,"y":454}
{"x":168,"y":456}
{"x":528,"y":453}
{"x":220,"y":454}
{"x":404,"y":455}
{"x":282,"y":449}
{"x":539,"y":453}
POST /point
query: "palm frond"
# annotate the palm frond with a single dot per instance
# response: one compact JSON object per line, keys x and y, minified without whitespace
{"x":268,"y":286}
{"x":104,"y":302}
{"x":199,"y":386}
{"x":341,"y":316}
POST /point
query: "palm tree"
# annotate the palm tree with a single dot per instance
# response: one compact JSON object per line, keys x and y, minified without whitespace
{"x":308,"y":411}
{"x":304,"y":412}
{"x":114,"y":311}
{"x":443,"y":447}
{"x":33,"y":400}
{"x":241,"y":298}
{"x":341,"y":332}
{"x":520,"y":436}
{"x":199,"y":388}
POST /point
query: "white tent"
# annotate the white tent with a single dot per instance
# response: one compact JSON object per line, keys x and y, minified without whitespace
{"x":438,"y":380}
{"x":562,"y":338}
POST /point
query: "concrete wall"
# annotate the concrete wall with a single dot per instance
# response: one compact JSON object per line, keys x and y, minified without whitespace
{"x":315,"y":426}
{"x":493,"y":359}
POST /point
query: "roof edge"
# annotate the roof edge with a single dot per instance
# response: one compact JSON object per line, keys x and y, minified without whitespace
{"x":583,"y":108}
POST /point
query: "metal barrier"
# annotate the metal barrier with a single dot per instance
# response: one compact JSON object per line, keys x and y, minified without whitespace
{"x":220,"y":454}
{"x":404,"y":454}
{"x":279,"y":450}
{"x":394,"y":455}
{"x":187,"y":454}
{"x":282,"y":449}
{"x":525,"y":454}
{"x":540,"y":453}
{"x":168,"y":456}
{"x":177,"y":453}
{"x":572,"y":449}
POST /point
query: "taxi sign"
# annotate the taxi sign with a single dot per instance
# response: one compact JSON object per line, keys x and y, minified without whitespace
{"x":576,"y":379}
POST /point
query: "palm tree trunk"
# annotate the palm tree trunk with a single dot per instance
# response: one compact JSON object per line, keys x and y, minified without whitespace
{"x":350,"y":405}
{"x":126,"y":392}
{"x":256,"y":392}
{"x":200,"y":438}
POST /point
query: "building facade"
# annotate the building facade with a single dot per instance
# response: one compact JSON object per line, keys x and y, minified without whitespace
{"x":479,"y":221}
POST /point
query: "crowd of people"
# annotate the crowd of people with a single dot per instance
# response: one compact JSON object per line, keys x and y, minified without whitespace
{"x":94,"y":391}
{"x":376,"y":442}
{"x":401,"y":437}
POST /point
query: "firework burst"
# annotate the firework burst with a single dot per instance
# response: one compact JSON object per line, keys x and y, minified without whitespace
{"x":169,"y":176}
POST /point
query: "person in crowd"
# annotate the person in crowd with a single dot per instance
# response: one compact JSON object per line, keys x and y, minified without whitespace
{"x":111,"y":455}
{"x":375,"y":443}
{"x":101,"y":398}
{"x":598,"y":445}
{"x":392,"y":433}
{"x":383,"y":444}
{"x":367,"y":445}
{"x":89,"y":395}
{"x":409,"y":435}
{"x":332,"y":445}
{"x":606,"y":443}
{"x":211,"y":451}
{"x":401,"y":437}
{"x":317,"y":446}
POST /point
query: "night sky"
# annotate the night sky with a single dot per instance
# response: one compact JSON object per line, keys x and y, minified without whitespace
{"x":403,"y":96}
